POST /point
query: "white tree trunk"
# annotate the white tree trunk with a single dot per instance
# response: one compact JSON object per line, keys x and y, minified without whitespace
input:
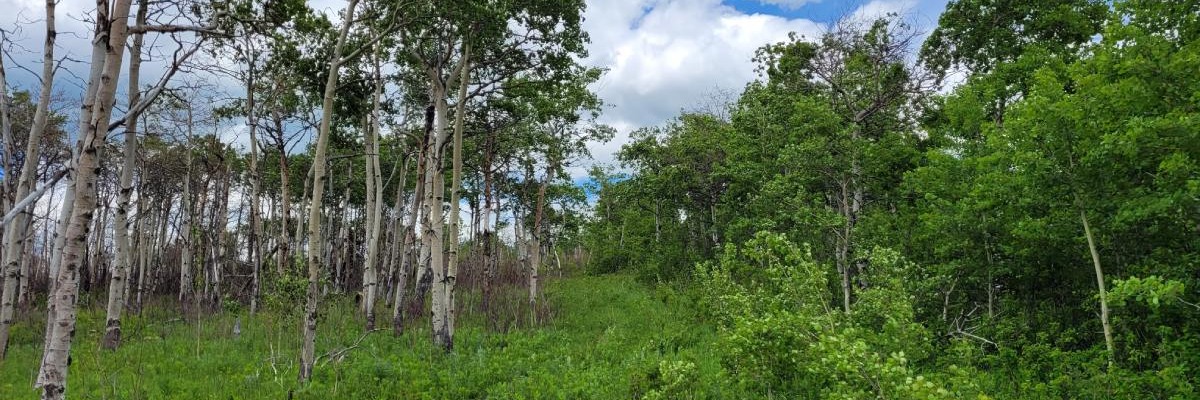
{"x":434,"y":227}
{"x":308,"y":350}
{"x":53,"y":371}
{"x":122,"y":265}
{"x":446,"y":330}
{"x":186,"y":288}
{"x":16,"y":231}
{"x":406,"y":249}
{"x":256,"y":230}
{"x":374,"y":210}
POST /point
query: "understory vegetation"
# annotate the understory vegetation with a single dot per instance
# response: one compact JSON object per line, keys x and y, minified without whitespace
{"x":601,"y":337}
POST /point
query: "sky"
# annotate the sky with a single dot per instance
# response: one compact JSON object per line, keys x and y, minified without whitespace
{"x":661,"y":56}
{"x":666,"y":56}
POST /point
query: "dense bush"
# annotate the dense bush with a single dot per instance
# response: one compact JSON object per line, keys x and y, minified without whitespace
{"x":782,"y":335}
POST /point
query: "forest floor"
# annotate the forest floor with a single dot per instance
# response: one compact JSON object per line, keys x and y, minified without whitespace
{"x":604,"y":337}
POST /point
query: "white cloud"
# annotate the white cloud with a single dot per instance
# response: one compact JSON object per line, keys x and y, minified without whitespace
{"x":667,"y":55}
{"x":881,"y":8}
{"x":787,"y":4}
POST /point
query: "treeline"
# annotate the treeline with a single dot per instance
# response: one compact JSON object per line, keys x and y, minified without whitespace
{"x":376,"y":154}
{"x":1031,"y":231}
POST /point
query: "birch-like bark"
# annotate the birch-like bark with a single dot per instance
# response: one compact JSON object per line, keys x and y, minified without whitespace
{"x":16,"y":231}
{"x":7,"y":152}
{"x":434,"y":228}
{"x":410,"y":237}
{"x":298,"y":237}
{"x":488,"y":271}
{"x":256,"y":229}
{"x":308,"y":350}
{"x":122,"y":264}
{"x":186,"y":288}
{"x":144,"y":222}
{"x":396,"y":231}
{"x":446,"y":331}
{"x":220,"y":222}
{"x":53,"y":371}
{"x":535,"y":246}
{"x":374,"y":212}
{"x":6,"y":136}
{"x":284,"y":260}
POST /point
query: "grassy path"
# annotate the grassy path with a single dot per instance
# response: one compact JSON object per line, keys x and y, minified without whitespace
{"x":608,"y":339}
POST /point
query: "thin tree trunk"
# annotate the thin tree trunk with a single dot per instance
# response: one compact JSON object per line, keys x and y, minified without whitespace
{"x":186,"y":289}
{"x":374,"y":212}
{"x":256,"y":230}
{"x":1108,"y":339}
{"x":536,"y":233}
{"x":121,"y":266}
{"x":308,"y":350}
{"x":396,"y":228}
{"x":446,"y":330}
{"x":486,"y":236}
{"x":843,"y":246}
{"x":144,"y":245}
{"x":410,"y":237}
{"x":285,"y":210}
{"x":298,"y":239}
{"x":435,"y":219}
{"x":220,"y":224}
{"x":16,"y":231}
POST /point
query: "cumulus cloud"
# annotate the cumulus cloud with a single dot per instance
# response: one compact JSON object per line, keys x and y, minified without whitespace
{"x":667,"y":55}
{"x":882,"y":8}
{"x":787,"y":4}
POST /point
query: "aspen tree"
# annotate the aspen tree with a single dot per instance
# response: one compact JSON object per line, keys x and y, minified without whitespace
{"x":308,"y":350}
{"x":16,"y":231}
{"x":118,"y":280}
{"x":374,"y":212}
{"x":110,"y":41}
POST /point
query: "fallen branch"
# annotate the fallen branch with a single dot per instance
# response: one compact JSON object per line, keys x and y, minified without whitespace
{"x":338,"y":354}
{"x":973,"y":336}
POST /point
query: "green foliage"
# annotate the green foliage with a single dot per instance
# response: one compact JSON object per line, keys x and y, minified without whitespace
{"x":284,"y":293}
{"x":1151,"y":291}
{"x":608,"y":337}
{"x":782,"y":334}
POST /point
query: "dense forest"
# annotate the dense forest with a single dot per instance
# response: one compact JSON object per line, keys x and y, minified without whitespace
{"x":256,"y":199}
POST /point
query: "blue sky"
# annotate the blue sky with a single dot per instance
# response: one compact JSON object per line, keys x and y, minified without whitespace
{"x":820,"y":11}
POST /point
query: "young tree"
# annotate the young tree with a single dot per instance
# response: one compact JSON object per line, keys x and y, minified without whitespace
{"x":16,"y":230}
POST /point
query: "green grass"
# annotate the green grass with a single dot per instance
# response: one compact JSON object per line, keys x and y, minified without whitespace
{"x":606,"y":338}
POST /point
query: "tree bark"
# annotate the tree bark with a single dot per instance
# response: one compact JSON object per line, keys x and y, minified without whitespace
{"x":285,"y":210}
{"x":308,"y":350}
{"x":374,"y":194}
{"x":434,"y":235}
{"x":1108,"y":339}
{"x":410,"y":236}
{"x":121,"y":266}
{"x":16,"y":231}
{"x":186,"y":288}
{"x":53,"y":371}
{"x":256,"y":230}
{"x":449,"y":280}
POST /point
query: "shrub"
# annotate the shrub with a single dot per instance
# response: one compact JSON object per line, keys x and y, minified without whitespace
{"x":782,"y":334}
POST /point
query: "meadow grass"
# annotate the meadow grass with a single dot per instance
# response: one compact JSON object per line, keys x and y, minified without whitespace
{"x":604,"y":337}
